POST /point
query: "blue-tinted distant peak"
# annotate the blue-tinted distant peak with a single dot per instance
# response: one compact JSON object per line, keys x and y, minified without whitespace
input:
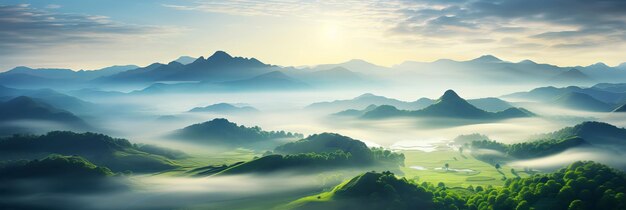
{"x":487,"y":59}
{"x":220,"y":55}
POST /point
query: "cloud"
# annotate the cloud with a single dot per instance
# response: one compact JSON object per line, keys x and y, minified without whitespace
{"x":23,"y":28}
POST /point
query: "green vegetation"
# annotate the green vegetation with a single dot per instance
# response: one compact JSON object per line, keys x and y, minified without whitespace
{"x":466,"y":170}
{"x":52,"y":166}
{"x":116,"y":154}
{"x":320,"y":152}
{"x":469,"y":138}
{"x":597,"y":133}
{"x":582,"y":185}
{"x":532,"y":149}
{"x":54,"y":173}
{"x":222,"y":132}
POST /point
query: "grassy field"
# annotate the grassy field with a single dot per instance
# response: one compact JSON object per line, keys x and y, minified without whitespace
{"x":215,"y":158}
{"x":481,"y":173}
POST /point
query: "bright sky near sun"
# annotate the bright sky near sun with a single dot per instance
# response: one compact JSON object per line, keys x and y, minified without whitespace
{"x":98,"y":33}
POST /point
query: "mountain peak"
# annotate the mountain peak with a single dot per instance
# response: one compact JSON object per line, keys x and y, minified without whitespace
{"x":220,"y":55}
{"x":487,"y":58}
{"x":366,"y":95}
{"x":450,"y":95}
{"x":185,"y":59}
{"x":527,"y":61}
{"x":22,"y":100}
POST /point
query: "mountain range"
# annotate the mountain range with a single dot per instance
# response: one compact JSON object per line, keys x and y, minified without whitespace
{"x":449,"y":105}
{"x":599,"y":98}
{"x":225,"y":108}
{"x":367,"y":99}
{"x":223,"y":69}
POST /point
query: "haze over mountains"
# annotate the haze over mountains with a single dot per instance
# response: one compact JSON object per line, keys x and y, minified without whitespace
{"x":309,"y":145}
{"x":367,"y":99}
{"x":20,"y":114}
{"x":224,"y":72}
{"x":449,"y":105}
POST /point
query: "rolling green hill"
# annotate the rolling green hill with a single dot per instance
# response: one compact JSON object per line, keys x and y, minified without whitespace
{"x":221,"y":132}
{"x":319,"y":152}
{"x":116,"y":154}
{"x":581,"y":185}
{"x":55,"y":173}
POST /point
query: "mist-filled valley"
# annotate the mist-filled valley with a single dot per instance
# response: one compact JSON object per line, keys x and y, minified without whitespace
{"x":313,"y":105}
{"x":286,"y":141}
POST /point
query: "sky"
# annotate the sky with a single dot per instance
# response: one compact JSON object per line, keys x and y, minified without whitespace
{"x":91,"y":34}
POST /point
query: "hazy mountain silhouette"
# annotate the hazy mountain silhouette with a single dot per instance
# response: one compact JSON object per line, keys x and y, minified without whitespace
{"x":24,"y":109}
{"x":486,"y":59}
{"x":547,"y":94}
{"x":581,"y":101}
{"x":595,"y":133}
{"x":274,"y":80}
{"x":49,"y":77}
{"x":355,"y":112}
{"x":367,"y":99}
{"x":611,"y":87}
{"x":185,"y":60}
{"x":217,"y":68}
{"x":490,"y":104}
{"x":337,"y":76}
{"x":48,"y":96}
{"x":356,"y":65}
{"x":225,"y":108}
{"x":572,"y":76}
{"x":449,"y":105}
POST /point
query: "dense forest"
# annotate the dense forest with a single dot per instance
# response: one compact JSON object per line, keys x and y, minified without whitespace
{"x":531,"y":149}
{"x":320,"y":152}
{"x":221,"y":131}
{"x":114,"y":153}
{"x":581,"y":185}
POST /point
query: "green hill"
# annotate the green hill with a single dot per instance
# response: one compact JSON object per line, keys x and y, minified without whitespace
{"x":221,"y":132}
{"x":370,"y":191}
{"x":581,"y":185}
{"x":327,"y":142}
{"x":54,"y":173}
{"x":319,"y":152}
{"x":116,"y":154}
{"x":596,"y":133}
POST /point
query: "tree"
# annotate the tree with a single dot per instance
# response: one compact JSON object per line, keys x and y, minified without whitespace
{"x":446,"y":166}
{"x":498,"y":167}
{"x":576,"y":205}
{"x":523,"y":205}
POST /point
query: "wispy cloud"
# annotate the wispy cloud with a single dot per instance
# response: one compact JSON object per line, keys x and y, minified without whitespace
{"x":537,"y":21}
{"x":23,"y":27}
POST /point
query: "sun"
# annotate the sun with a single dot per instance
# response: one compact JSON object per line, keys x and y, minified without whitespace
{"x":331,"y":32}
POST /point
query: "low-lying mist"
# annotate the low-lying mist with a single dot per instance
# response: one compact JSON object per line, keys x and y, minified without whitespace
{"x":166,"y":192}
